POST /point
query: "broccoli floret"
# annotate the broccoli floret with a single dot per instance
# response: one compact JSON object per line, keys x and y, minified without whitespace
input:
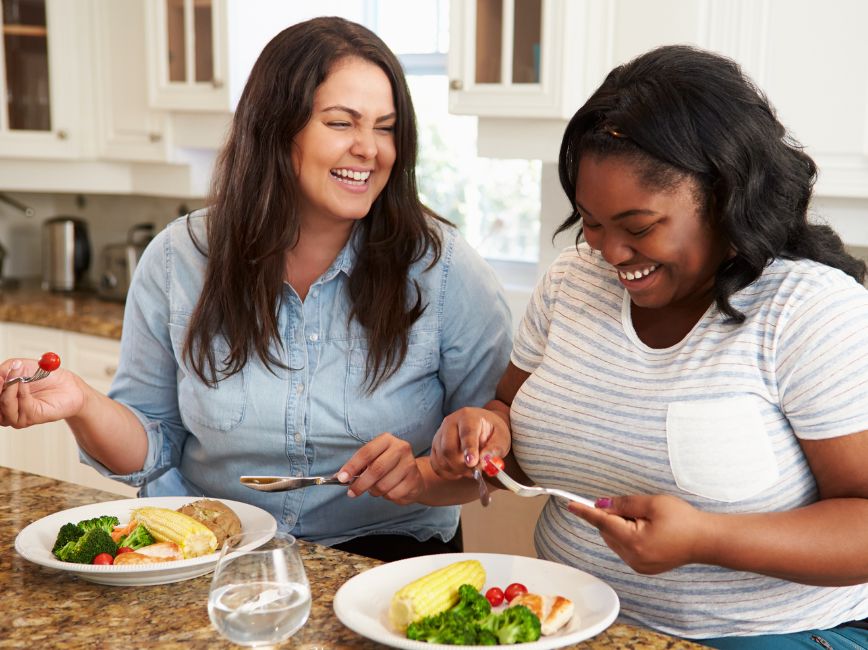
{"x":447,"y":628}
{"x":471,"y":603}
{"x":486,"y":637}
{"x":88,"y":546}
{"x":515,"y":624}
{"x":106,"y":523}
{"x":137,"y":539}
{"x":67,"y":533}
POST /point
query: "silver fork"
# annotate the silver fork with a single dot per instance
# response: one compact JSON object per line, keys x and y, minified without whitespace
{"x":36,"y":376}
{"x":534,"y":491}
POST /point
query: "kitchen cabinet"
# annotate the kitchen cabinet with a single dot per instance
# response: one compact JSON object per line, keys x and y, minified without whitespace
{"x":50,"y":449}
{"x":514,"y":58}
{"x":41,"y":61}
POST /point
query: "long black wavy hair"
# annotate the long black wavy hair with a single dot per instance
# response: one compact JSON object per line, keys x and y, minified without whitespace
{"x":679,"y":112}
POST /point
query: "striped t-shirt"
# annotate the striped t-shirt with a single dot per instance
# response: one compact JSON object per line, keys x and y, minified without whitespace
{"x":713,"y":419}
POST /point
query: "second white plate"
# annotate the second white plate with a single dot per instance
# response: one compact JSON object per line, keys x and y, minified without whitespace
{"x":362,"y":603}
{"x":35,"y":542}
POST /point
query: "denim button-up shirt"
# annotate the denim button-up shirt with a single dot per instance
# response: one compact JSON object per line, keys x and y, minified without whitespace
{"x":310,"y":417}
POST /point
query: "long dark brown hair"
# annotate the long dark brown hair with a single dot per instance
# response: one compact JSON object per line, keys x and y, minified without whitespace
{"x":253,"y":216}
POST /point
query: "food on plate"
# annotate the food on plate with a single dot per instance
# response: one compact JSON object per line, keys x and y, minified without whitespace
{"x":434,"y":593}
{"x":471,"y":622}
{"x":193,"y":537}
{"x":82,"y":542}
{"x":495,"y":596}
{"x":151,"y":535}
{"x":159,"y":552}
{"x":513,"y":590}
{"x":553,"y":611}
{"x":216,"y":515}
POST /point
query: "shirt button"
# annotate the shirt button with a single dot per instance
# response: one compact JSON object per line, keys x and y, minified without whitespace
{"x":313,"y":294}
{"x":314,"y":337}
{"x":299,"y":389}
{"x":297,"y":436}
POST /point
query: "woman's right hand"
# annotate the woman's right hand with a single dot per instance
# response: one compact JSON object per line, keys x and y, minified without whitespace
{"x":466,"y":436}
{"x":58,"y":396}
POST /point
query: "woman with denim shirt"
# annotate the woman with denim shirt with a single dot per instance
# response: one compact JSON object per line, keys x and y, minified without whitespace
{"x":316,"y":319}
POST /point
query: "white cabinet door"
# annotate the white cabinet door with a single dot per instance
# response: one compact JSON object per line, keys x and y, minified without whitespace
{"x":128,"y":128}
{"x":94,"y":359}
{"x":527,"y":58}
{"x":44,"y":63}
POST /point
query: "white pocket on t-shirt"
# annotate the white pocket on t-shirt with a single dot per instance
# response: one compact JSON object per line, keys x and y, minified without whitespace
{"x":719,"y":449}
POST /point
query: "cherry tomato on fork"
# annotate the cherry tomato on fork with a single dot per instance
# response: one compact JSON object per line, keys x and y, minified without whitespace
{"x":491,"y":465}
{"x":494,"y":596}
{"x":513,"y":590}
{"x":49,"y":361}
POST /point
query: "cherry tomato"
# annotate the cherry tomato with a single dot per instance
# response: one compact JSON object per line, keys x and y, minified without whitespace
{"x":125,"y":549}
{"x":49,"y":362}
{"x":513,"y":590}
{"x":495,"y":596}
{"x":491,"y":465}
{"x":103,"y":558}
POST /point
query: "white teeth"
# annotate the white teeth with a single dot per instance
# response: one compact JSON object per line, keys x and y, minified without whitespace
{"x":351,"y":177}
{"x":635,"y":275}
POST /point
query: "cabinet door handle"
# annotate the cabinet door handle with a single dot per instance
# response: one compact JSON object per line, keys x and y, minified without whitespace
{"x":455,"y":84}
{"x":62,"y":134}
{"x":155,"y":137}
{"x":110,"y":371}
{"x":217,"y":83}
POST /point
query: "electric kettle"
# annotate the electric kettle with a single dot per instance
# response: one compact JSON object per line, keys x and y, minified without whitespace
{"x":65,"y":253}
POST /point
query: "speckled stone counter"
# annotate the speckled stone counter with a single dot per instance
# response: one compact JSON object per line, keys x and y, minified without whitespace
{"x":46,"y":608}
{"x":79,"y":312}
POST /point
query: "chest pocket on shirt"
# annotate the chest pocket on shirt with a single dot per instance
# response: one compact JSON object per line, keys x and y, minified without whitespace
{"x":399,"y":404}
{"x":220,"y":408}
{"x":719,"y":449}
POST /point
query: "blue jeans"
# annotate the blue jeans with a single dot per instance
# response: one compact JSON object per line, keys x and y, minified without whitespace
{"x":843,"y":637}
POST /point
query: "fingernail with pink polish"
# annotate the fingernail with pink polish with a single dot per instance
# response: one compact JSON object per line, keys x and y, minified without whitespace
{"x":468,"y":458}
{"x":603,"y":502}
{"x":343,"y":477}
{"x":15,"y":365}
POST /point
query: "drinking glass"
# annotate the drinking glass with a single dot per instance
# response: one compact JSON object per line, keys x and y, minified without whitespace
{"x":259,"y":596}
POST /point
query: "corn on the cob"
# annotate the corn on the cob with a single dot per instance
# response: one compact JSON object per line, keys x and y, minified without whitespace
{"x":434,"y":593}
{"x":193,"y":537}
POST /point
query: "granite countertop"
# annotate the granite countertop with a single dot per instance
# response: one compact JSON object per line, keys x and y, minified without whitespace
{"x":83,"y":312}
{"x":52,"y":609}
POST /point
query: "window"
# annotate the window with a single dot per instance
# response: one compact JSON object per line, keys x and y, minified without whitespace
{"x":495,"y":203}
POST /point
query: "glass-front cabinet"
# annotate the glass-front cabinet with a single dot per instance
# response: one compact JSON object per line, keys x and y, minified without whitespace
{"x":39,"y":112}
{"x":187,"y":68}
{"x":520,"y":58}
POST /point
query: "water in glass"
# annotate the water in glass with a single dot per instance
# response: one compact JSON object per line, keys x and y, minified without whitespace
{"x":260,"y":596}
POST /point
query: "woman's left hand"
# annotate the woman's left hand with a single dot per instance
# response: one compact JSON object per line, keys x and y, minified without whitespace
{"x":386,"y":468}
{"x":652,"y":534}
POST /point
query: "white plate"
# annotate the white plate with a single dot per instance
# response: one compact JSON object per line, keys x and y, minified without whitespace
{"x":362,"y":603}
{"x":35,"y":542}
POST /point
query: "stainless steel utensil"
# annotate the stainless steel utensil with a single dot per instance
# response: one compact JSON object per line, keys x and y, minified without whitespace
{"x":534,"y":491}
{"x":286,"y":483}
{"x":484,"y":495}
{"x":36,"y":376}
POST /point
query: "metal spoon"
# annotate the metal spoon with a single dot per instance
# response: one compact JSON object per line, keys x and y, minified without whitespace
{"x":286,"y":483}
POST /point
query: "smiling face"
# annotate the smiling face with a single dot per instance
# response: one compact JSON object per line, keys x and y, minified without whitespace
{"x":660,"y":242}
{"x":344,"y":155}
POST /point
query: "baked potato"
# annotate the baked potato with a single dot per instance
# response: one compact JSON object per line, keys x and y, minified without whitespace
{"x":216,"y":515}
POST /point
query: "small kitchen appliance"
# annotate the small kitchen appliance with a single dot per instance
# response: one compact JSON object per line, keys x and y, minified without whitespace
{"x":65,"y":253}
{"x":119,"y":262}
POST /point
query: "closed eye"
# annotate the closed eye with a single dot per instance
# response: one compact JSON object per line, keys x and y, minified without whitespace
{"x":335,"y":124}
{"x":642,"y":231}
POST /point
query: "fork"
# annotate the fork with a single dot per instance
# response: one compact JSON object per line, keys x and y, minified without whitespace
{"x":534,"y":491}
{"x":36,"y":376}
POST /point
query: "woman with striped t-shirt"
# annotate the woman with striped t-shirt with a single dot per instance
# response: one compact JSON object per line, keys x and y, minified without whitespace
{"x":700,"y":364}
